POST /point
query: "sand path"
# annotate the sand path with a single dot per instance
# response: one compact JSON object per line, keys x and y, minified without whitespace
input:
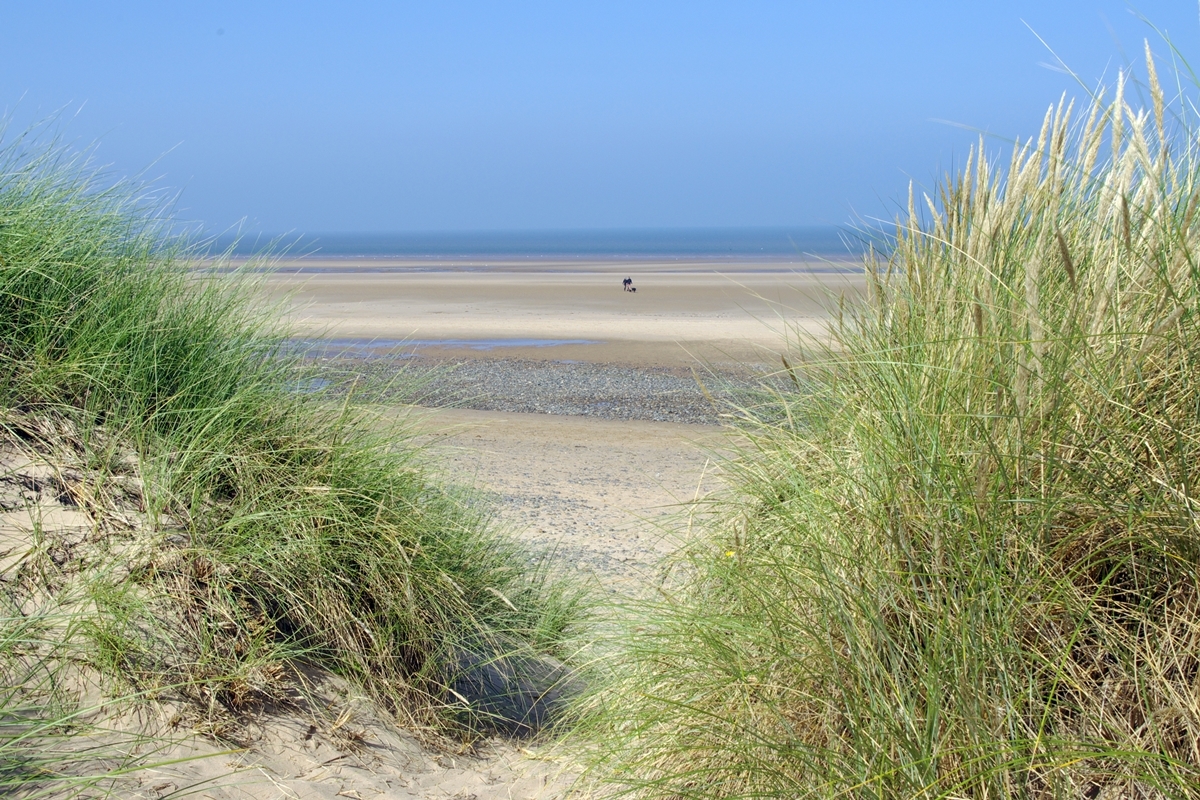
{"x":602,"y":494}
{"x":595,"y":491}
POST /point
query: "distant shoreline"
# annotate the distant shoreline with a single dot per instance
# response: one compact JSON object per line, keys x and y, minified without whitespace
{"x":317,"y":264}
{"x":769,"y":244}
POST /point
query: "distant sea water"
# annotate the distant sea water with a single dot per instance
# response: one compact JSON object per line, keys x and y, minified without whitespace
{"x":768,"y":244}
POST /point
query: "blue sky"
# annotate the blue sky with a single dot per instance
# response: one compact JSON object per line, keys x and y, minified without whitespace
{"x":321,"y":117}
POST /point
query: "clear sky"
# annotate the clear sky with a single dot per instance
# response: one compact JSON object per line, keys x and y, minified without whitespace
{"x":391,"y":116}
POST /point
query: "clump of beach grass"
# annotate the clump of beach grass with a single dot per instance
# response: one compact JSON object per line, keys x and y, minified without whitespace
{"x":239,"y":531}
{"x":962,"y":558}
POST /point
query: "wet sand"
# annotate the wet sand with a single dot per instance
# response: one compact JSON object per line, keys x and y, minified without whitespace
{"x":719,"y":312}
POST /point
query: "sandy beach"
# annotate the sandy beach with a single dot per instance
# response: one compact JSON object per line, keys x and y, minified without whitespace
{"x":724,"y":312}
{"x":581,"y":445}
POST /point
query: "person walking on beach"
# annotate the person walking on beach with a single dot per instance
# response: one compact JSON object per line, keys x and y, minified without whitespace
{"x":625,"y":284}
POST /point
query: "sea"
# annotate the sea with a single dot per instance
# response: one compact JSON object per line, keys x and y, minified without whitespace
{"x":802,"y":243}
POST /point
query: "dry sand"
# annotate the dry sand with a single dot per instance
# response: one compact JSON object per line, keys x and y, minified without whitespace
{"x":606,"y":496}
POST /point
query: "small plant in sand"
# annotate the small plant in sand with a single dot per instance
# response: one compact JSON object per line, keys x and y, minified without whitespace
{"x":964,"y":558}
{"x":212,"y":535}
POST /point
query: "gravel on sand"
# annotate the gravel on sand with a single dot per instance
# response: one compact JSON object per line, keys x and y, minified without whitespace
{"x":564,"y":388}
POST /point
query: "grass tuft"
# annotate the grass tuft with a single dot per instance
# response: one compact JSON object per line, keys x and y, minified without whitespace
{"x":962,"y":559}
{"x":227,"y":530}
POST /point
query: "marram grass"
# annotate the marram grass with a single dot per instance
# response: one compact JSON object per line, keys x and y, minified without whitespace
{"x":279,"y":530}
{"x":963,"y":558}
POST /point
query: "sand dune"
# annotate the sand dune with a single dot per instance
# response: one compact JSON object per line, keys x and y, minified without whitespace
{"x":596,"y":491}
